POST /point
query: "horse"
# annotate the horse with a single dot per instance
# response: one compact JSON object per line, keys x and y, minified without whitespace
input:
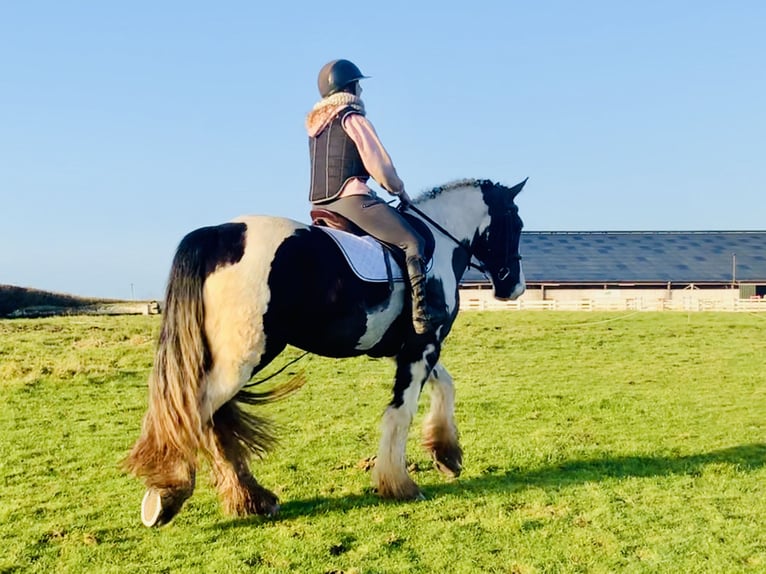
{"x":238,"y":293}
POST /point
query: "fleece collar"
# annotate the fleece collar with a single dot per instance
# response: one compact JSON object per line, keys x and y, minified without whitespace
{"x":327,"y":108}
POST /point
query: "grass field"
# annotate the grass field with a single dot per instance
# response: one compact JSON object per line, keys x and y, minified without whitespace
{"x":594,"y":442}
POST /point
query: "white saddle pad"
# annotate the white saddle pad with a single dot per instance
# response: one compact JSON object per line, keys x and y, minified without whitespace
{"x":365,"y":256}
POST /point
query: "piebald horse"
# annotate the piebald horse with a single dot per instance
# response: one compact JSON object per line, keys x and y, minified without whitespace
{"x":240,"y":292}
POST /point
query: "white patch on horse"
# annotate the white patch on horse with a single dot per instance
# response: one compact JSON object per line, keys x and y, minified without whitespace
{"x":441,"y":416}
{"x":453,"y":212}
{"x":443,"y":261}
{"x":442,"y":394}
{"x":521,"y":286}
{"x":379,"y":320}
{"x":460,"y":217}
{"x":390,"y":473}
{"x":418,"y":375}
{"x":234,"y":310}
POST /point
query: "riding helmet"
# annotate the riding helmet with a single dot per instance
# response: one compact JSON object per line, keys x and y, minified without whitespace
{"x":336,"y":75}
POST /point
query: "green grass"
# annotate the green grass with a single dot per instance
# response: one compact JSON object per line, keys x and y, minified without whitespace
{"x":598,"y":442}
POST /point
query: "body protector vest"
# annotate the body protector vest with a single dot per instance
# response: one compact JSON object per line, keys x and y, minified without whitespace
{"x":334,"y":160}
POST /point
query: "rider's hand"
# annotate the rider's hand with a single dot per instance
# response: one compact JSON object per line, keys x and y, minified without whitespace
{"x":403,"y":197}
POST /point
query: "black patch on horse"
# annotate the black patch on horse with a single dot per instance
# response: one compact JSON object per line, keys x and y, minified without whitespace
{"x":405,"y":359}
{"x":213,"y":247}
{"x":311,"y":284}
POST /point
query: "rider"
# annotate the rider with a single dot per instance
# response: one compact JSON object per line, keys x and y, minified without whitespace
{"x":345,"y":152}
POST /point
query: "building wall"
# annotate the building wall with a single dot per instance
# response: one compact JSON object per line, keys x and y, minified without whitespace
{"x":615,"y":299}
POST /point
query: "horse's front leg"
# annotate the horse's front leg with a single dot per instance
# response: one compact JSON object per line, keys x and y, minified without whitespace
{"x":440,"y":436}
{"x":390,"y":476}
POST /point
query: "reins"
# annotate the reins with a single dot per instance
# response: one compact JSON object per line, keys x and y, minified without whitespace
{"x":405,"y":205}
{"x":263,"y":380}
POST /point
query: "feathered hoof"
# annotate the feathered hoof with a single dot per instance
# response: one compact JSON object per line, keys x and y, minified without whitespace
{"x":250,"y":498}
{"x":403,"y":490}
{"x":158,"y":507}
{"x":265,"y":503}
{"x":448,"y":462}
{"x":269,"y":510}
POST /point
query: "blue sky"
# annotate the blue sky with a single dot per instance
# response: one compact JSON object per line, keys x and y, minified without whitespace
{"x":125,"y":125}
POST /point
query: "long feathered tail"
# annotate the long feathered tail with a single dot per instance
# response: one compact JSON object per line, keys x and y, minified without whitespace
{"x":172,"y":428}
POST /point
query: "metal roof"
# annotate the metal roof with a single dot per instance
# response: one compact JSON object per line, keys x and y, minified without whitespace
{"x":641,"y":257}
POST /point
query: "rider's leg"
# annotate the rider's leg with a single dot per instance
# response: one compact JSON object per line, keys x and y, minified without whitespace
{"x":383,"y":222}
{"x":421,"y":317}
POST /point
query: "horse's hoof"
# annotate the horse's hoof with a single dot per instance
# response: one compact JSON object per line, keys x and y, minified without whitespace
{"x":413,"y":495}
{"x":265,"y":502}
{"x":271,"y":510}
{"x":449,"y":466}
{"x":158,"y":507}
{"x":151,"y":508}
{"x":406,"y":490}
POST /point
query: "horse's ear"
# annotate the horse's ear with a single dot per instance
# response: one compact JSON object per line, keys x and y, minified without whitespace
{"x":516,"y":189}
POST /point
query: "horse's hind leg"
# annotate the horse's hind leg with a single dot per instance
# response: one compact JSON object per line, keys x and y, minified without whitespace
{"x":229,"y":442}
{"x":167,"y":490}
{"x":168,"y":470}
{"x":390,"y":475}
{"x":440,"y":436}
{"x":233,"y":435}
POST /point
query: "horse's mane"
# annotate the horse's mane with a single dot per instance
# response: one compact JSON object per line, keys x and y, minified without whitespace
{"x":456,"y":184}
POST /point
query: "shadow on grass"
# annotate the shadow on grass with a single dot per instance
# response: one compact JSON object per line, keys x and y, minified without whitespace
{"x":568,"y":473}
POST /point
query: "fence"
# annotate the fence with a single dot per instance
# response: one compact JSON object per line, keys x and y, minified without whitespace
{"x":120,"y":308}
{"x":469,"y":301}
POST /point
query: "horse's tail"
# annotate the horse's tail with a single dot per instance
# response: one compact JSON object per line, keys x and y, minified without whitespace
{"x":172,"y":428}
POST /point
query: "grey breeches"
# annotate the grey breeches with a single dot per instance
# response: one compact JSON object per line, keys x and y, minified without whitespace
{"x":380,"y":220}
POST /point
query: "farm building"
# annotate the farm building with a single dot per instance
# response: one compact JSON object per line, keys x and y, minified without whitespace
{"x":638,"y":270}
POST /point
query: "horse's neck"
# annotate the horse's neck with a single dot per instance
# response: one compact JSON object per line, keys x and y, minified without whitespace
{"x":458,"y":211}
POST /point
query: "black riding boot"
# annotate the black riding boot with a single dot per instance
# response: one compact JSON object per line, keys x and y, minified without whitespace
{"x":421,"y":318}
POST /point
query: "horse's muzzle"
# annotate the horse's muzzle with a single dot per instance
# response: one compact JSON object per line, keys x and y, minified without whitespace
{"x":504,"y":293}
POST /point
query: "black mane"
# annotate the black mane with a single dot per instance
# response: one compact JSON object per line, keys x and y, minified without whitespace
{"x":458,"y":183}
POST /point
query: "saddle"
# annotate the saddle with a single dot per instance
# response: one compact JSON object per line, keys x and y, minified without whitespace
{"x":326,"y":218}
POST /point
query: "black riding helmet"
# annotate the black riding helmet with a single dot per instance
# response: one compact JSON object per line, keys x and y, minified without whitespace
{"x":336,"y":75}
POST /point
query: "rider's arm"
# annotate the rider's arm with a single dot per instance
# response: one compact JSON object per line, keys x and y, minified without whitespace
{"x":374,"y":156}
